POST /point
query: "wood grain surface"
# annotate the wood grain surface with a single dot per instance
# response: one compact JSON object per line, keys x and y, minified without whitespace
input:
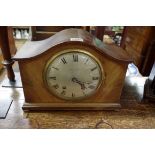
{"x":32,"y":78}
{"x":34,"y":48}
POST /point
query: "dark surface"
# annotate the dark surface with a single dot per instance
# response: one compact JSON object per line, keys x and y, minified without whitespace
{"x":6,"y":51}
{"x":149,"y":59}
{"x":99,"y":32}
{"x":149,"y":92}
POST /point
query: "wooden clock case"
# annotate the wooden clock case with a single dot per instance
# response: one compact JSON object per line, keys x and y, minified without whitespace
{"x":34,"y":55}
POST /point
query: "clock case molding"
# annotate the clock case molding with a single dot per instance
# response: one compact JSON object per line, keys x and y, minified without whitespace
{"x":34,"y":55}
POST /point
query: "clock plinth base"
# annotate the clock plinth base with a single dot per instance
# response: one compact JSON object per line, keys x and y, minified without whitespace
{"x":70,"y":106}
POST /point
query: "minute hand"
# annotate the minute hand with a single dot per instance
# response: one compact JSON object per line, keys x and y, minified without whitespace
{"x":79,"y":82}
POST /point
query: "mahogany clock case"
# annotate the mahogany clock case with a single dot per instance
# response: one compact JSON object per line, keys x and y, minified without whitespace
{"x":32,"y":65}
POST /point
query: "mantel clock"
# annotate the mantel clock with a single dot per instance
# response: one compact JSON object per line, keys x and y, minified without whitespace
{"x":72,"y":70}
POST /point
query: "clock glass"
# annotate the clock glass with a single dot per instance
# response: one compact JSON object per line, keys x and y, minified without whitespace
{"x":73,"y":74}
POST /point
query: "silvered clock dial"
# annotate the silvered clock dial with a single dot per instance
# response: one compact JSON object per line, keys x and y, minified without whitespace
{"x":73,"y":74}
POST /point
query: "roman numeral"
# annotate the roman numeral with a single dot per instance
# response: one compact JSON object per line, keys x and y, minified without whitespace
{"x":75,"y":58}
{"x":56,"y":86}
{"x":53,"y":78}
{"x":91,"y":87}
{"x":63,"y":93}
{"x":95,"y":78}
{"x":63,"y":60}
{"x":73,"y":95}
{"x":64,"y":87}
{"x":86,"y":61}
{"x":55,"y":68}
{"x":94,"y":68}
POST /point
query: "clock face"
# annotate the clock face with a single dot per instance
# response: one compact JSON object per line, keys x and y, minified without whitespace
{"x":73,"y":74}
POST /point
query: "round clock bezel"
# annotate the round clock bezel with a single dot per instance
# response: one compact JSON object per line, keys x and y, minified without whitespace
{"x":70,"y":51}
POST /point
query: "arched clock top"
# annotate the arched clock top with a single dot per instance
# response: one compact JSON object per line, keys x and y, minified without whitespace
{"x":32,"y":49}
